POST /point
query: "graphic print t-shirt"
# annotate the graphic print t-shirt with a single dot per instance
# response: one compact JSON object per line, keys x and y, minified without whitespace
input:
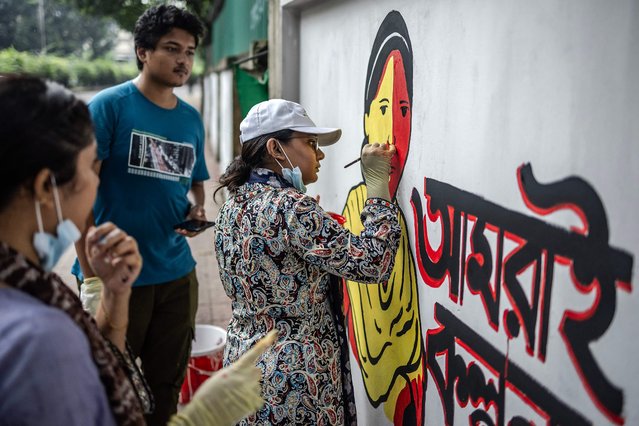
{"x":150,"y":156}
{"x":153,"y":157}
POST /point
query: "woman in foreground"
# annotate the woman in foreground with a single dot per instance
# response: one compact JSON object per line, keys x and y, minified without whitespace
{"x":279,"y":253}
{"x":58,"y":365}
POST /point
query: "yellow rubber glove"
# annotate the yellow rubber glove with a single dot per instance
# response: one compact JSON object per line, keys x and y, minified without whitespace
{"x":90,"y":293}
{"x":376,"y":160}
{"x":230,"y":394}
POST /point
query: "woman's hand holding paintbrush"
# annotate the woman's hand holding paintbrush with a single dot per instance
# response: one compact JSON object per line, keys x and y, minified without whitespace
{"x":353,"y":162}
{"x":376,"y":160}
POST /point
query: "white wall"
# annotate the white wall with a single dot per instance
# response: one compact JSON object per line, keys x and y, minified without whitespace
{"x":213,"y":83}
{"x":497,"y":84}
{"x":225,"y":112}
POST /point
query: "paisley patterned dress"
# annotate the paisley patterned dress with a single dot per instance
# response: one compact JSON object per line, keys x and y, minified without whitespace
{"x":277,"y":250}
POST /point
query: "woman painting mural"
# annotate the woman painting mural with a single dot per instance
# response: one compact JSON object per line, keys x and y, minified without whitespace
{"x":384,"y":323}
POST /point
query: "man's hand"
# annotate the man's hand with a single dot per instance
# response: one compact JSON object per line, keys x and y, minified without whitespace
{"x":197,"y":212}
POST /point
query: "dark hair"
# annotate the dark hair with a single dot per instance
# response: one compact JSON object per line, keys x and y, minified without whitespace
{"x":43,"y":125}
{"x":157,"y":21}
{"x":392,"y":35}
{"x":252,"y":156}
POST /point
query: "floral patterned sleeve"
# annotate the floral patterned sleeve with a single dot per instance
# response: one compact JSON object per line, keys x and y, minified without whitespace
{"x":322,"y":241}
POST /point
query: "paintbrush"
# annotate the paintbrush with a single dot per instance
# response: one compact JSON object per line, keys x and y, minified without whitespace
{"x":352,"y":162}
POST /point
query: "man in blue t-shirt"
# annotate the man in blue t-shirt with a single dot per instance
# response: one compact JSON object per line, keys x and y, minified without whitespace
{"x":151,"y":156}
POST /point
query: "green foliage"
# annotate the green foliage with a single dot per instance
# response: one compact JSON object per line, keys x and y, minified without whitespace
{"x":72,"y":72}
{"x":64,"y":31}
{"x":126,"y":12}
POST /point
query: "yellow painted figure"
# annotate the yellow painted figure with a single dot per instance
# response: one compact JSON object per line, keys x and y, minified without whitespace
{"x":384,"y":322}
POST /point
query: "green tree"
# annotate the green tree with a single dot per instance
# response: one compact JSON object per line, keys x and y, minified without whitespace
{"x":19,"y":25}
{"x":66,"y":31}
{"x":126,"y":12}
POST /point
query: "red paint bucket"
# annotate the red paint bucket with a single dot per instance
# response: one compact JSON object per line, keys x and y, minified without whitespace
{"x":207,"y":352}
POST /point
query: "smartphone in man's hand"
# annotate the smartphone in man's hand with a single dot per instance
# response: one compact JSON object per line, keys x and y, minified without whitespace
{"x":194,"y":225}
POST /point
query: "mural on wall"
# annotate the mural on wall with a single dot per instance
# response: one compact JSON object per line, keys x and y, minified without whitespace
{"x":384,"y":324}
{"x":499,"y":267}
{"x":467,"y":261}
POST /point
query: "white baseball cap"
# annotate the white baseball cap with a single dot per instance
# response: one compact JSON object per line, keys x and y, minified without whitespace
{"x":278,"y":114}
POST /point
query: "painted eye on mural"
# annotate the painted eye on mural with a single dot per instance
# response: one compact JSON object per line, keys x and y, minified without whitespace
{"x":383,"y":109}
{"x":404,"y":111}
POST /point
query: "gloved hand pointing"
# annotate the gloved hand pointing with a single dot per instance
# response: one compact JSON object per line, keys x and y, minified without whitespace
{"x":230,"y":394}
{"x":376,"y":167}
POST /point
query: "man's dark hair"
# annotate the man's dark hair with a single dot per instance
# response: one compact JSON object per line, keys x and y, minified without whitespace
{"x":158,"y":21}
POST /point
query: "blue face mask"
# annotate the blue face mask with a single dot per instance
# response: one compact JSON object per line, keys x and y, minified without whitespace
{"x":49,"y":247}
{"x":292,"y":176}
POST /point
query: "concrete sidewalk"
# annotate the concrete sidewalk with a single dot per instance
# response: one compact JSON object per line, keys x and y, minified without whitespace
{"x":214,"y":306}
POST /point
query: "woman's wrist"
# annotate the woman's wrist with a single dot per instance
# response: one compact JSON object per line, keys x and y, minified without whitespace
{"x":114,"y":324}
{"x":378,"y":191}
{"x":114,"y":297}
{"x":115,"y":308}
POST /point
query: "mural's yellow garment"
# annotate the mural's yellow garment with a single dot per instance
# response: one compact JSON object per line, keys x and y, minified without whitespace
{"x":386,"y":318}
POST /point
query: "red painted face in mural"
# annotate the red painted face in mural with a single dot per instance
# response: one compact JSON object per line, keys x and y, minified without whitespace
{"x":389,"y":117}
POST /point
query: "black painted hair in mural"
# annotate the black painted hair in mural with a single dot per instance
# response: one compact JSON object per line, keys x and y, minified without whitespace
{"x":392,"y":35}
{"x":157,"y":21}
{"x":253,"y":155}
{"x":43,"y":125}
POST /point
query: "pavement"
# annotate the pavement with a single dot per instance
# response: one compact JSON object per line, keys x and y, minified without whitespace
{"x":214,"y":306}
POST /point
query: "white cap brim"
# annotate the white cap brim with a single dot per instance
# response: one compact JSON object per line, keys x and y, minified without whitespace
{"x":325,"y":135}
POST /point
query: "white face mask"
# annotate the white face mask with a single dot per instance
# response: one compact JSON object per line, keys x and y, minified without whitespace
{"x":51,"y":247}
{"x":292,"y":175}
